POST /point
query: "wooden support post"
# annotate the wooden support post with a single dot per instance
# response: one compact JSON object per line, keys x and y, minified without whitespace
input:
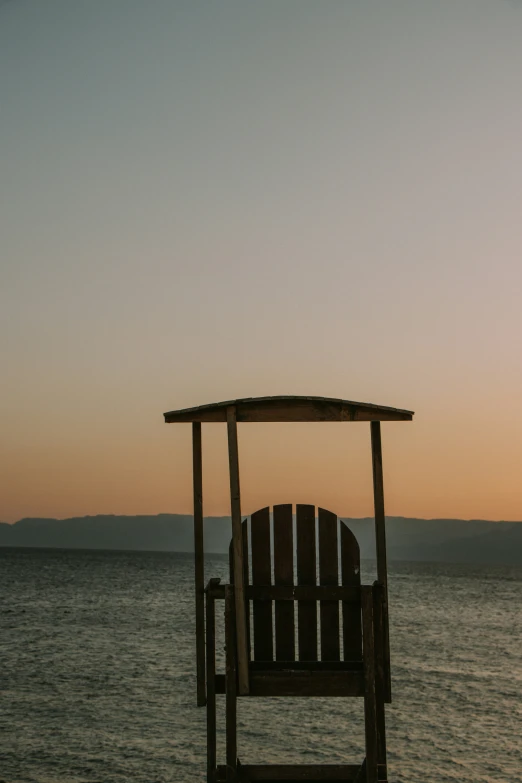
{"x":211,"y":687}
{"x":230,"y":686}
{"x":370,"y":707}
{"x":199,"y":563}
{"x":380,"y":543}
{"x":380,"y":679}
{"x":237,"y":538}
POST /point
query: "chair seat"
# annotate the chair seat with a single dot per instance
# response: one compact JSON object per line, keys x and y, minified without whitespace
{"x":270,"y":681}
{"x":306,"y":682}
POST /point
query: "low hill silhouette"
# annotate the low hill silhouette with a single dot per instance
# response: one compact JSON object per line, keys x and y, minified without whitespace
{"x":438,"y":540}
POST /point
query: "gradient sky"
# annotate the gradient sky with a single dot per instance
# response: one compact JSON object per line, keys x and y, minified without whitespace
{"x":208,"y":200}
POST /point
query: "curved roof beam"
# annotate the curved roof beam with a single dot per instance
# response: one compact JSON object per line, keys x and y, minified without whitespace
{"x":288,"y":408}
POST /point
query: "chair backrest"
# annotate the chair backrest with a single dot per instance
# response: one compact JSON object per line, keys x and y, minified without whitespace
{"x":327,"y":556}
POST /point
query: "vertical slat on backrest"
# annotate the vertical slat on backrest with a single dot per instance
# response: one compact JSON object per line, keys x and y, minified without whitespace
{"x":244,"y":534}
{"x":284,"y":575}
{"x":351,"y":577}
{"x":244,"y":531}
{"x":329,"y":575}
{"x":306,"y":575}
{"x":261,"y":575}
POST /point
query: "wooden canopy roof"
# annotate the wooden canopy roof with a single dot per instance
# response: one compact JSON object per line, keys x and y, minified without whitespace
{"x":288,"y":408}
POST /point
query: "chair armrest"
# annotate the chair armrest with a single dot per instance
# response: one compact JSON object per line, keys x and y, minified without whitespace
{"x":215,"y":589}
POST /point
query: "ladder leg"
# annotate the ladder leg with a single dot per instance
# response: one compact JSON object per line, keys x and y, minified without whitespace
{"x":370,"y":712}
{"x":381,"y":743}
{"x":211,"y":689}
{"x":231,"y":685}
{"x":380,"y":679}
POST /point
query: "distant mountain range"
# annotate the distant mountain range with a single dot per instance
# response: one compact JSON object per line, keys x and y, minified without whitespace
{"x":439,"y":540}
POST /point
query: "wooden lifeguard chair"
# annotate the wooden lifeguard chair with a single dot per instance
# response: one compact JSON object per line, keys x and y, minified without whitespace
{"x":321,"y":654}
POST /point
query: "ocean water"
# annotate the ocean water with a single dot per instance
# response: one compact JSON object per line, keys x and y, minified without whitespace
{"x":97,"y":675}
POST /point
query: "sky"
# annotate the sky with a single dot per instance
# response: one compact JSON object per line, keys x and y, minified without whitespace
{"x":202,"y":201}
